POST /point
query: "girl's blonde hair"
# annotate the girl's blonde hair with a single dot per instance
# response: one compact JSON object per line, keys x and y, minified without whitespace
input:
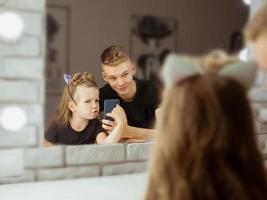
{"x":215,"y":60}
{"x":63,"y":113}
{"x":205,"y":143}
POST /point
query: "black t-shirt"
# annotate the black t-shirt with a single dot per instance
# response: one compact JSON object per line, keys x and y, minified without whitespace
{"x":67,"y":135}
{"x":140,"y":111}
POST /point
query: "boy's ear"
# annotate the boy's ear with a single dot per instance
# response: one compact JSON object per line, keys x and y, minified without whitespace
{"x":133,"y":68}
{"x":104,"y":76}
{"x":71,"y":106}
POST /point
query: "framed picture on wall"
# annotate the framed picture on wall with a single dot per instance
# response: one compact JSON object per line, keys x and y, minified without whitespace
{"x":57,"y":48}
{"x":152,"y":38}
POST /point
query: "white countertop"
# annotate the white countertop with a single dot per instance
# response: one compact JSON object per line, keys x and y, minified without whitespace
{"x":125,"y":187}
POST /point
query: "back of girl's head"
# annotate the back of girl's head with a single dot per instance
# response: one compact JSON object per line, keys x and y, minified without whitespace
{"x":79,"y":79}
{"x":205,"y":147}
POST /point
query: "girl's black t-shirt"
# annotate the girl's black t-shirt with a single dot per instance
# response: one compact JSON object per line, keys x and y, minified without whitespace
{"x":67,"y":135}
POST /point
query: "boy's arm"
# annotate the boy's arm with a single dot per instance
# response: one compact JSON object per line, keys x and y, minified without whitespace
{"x":130,"y":132}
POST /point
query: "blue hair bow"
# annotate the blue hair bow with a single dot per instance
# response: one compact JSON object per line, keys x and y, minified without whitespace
{"x":67,"y":78}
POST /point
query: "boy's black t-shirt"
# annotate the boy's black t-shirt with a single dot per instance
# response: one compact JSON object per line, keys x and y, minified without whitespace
{"x":67,"y":135}
{"x":140,"y":111}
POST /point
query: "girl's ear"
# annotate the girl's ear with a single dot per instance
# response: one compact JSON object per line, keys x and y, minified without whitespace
{"x":71,"y":106}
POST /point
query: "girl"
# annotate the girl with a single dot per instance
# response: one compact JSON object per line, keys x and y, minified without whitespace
{"x":76,"y":118}
{"x":206,"y":143}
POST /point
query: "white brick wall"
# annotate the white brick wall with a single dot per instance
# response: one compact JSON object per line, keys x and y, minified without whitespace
{"x":27,"y":46}
{"x":34,"y":114}
{"x":27,"y":176}
{"x":258,"y":94}
{"x":22,"y":85}
{"x":32,"y":22}
{"x":24,"y":68}
{"x":44,"y":157}
{"x":11,"y":162}
{"x":90,"y":154}
{"x":19,"y":91}
{"x":36,"y":5}
{"x":64,"y":162}
{"x":27,"y":136}
{"x":139,"y":151}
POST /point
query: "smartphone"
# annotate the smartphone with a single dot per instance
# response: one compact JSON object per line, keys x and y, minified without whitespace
{"x":109,"y":104}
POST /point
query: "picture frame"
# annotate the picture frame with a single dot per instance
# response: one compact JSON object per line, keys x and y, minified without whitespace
{"x":57,"y":48}
{"x":151,"y":39}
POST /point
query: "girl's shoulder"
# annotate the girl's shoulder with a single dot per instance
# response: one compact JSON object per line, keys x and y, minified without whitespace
{"x":56,"y":126}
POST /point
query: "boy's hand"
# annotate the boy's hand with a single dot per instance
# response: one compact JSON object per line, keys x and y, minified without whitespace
{"x":118,"y":115}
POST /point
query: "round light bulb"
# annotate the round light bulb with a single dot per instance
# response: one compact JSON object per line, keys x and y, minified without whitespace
{"x":11,"y":26}
{"x":12,"y":118}
{"x":247,"y":2}
{"x":243,"y":55}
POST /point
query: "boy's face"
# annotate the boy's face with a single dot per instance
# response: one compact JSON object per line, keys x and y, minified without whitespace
{"x":120,"y":77}
{"x":261,"y":51}
{"x":87,"y":102}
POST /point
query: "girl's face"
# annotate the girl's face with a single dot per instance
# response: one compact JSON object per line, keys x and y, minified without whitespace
{"x":87,"y":102}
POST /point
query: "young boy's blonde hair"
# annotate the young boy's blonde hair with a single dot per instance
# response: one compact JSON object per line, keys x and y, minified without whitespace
{"x":113,"y":56}
{"x":257,"y":25}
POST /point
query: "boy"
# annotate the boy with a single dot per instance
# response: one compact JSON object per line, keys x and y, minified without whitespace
{"x":138,"y":98}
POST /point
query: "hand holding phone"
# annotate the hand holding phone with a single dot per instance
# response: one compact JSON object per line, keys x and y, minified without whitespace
{"x":109,"y":104}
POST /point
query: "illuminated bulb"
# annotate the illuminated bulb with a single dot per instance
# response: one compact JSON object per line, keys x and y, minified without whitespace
{"x":247,"y":2}
{"x":12,"y":118}
{"x":11,"y":26}
{"x":243,"y":55}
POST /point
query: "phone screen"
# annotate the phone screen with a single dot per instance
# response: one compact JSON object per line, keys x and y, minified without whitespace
{"x":109,"y":104}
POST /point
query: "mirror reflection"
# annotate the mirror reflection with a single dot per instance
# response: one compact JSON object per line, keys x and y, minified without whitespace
{"x":128,"y":105}
{"x":113,"y":58}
